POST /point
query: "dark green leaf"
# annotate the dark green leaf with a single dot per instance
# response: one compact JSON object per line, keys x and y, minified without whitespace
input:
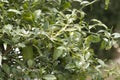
{"x":6,"y":68}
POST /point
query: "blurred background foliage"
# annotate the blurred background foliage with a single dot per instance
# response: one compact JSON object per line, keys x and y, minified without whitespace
{"x":109,"y":16}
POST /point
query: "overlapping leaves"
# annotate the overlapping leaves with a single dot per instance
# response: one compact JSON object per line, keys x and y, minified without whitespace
{"x":51,"y":37}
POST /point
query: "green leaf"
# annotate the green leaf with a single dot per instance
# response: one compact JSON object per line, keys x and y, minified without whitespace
{"x":70,"y":66}
{"x":21,"y":45}
{"x":46,"y":24}
{"x":107,"y":4}
{"x":30,"y":63}
{"x":66,"y":5}
{"x":101,"y":62}
{"x":27,"y":53}
{"x":7,"y":28}
{"x":1,"y":5}
{"x":6,"y":68}
{"x":109,"y":46}
{"x":104,"y":43}
{"x":107,"y":34}
{"x":25,"y":5}
{"x":58,"y":52}
{"x":49,"y":77}
{"x":28,"y":16}
{"x":93,"y":38}
{"x":87,"y":56}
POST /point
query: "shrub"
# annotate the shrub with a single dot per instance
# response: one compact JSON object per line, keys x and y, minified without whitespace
{"x":50,"y":40}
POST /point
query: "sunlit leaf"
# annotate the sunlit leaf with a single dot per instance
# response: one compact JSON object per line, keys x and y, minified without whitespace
{"x":116,"y":35}
{"x":87,"y":56}
{"x":107,"y":4}
{"x":70,"y":66}
{"x":49,"y":77}
{"x":37,"y":13}
{"x":98,"y":23}
{"x":5,"y":46}
{"x":21,"y":45}
{"x":29,"y":16}
{"x":93,"y":38}
{"x":14,"y":11}
{"x":8,"y":27}
{"x":101,"y":62}
{"x":66,"y":5}
{"x":85,"y":2}
{"x":104,"y":43}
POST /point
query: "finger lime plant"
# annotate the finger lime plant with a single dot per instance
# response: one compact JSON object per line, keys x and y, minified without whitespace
{"x":50,"y":40}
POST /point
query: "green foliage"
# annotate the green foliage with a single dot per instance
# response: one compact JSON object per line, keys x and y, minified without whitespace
{"x":107,"y":11}
{"x":50,"y":40}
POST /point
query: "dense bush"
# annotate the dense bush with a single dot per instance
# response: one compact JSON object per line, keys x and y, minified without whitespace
{"x":50,"y":40}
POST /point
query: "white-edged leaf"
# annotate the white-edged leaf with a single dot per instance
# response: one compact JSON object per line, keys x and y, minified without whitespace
{"x":85,"y":2}
{"x":37,"y":13}
{"x":101,"y":31}
{"x":99,"y":23}
{"x":116,"y":35}
{"x":14,"y":10}
{"x":105,"y":39}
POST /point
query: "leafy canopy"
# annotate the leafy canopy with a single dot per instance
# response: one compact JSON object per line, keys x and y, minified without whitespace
{"x":50,"y":40}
